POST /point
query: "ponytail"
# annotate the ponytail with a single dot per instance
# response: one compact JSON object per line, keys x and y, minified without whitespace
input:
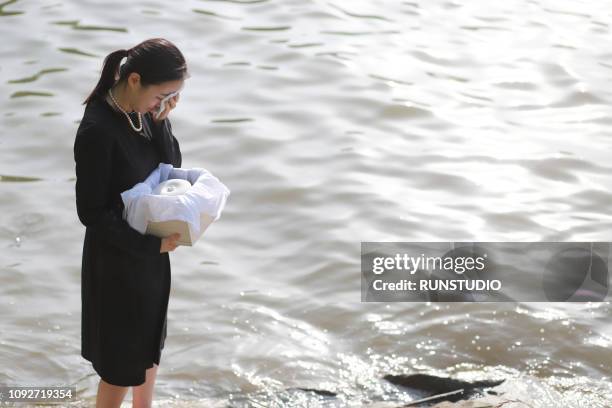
{"x":110,"y":70}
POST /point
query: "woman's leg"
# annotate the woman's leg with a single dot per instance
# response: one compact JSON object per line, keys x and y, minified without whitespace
{"x":142,"y":395}
{"x":110,"y":396}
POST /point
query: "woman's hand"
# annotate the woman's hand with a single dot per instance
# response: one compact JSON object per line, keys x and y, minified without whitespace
{"x":169,"y":243}
{"x":170,"y":104}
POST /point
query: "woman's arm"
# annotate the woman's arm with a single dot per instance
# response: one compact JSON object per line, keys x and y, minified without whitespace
{"x":163,"y":133}
{"x":93,"y":157}
{"x":168,"y":143}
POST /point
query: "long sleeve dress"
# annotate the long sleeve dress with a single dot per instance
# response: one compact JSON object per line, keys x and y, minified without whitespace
{"x":125,"y":280}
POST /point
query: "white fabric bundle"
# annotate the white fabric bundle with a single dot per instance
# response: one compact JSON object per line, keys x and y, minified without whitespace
{"x":175,"y":201}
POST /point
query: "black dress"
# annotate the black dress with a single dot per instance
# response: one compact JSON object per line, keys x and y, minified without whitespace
{"x":125,"y":280}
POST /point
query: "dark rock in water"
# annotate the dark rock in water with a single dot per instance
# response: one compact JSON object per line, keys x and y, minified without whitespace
{"x":323,"y":393}
{"x":436,"y":389}
{"x":440,"y":385}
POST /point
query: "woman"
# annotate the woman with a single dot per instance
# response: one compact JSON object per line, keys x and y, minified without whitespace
{"x":125,"y":275}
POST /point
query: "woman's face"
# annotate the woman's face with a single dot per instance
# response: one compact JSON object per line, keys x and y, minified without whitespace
{"x":147,"y":98}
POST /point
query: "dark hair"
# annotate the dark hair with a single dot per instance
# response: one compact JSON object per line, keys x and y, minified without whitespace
{"x":156,"y":60}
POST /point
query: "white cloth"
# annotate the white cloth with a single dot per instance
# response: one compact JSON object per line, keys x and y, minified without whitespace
{"x":206,"y":195}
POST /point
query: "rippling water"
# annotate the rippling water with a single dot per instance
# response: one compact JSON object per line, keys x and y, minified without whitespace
{"x":332,"y":123}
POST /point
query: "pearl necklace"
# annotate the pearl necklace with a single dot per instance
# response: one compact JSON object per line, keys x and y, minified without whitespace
{"x":139,"y":129}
